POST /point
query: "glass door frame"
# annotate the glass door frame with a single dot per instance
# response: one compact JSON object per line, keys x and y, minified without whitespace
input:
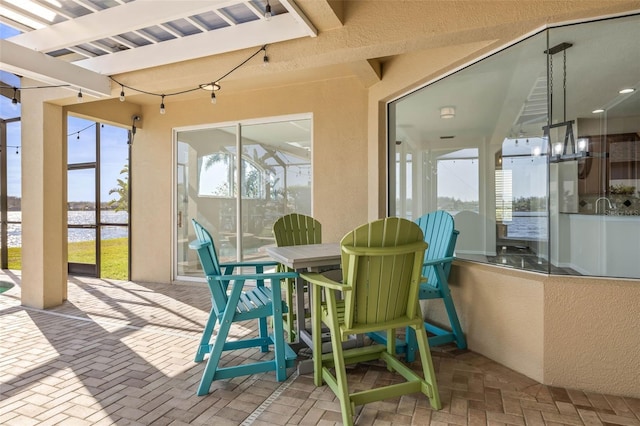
{"x":4,"y":204}
{"x":95,"y":270}
{"x":178,"y":217}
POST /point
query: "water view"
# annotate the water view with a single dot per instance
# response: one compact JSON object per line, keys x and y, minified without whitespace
{"x":14,"y":230}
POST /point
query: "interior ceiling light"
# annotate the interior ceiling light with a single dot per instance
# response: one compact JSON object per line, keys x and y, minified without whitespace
{"x":627,"y":90}
{"x":447,"y":112}
{"x":597,"y":111}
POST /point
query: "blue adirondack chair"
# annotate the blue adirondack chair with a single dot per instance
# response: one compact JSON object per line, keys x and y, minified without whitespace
{"x":231,"y":302}
{"x":441,"y":235}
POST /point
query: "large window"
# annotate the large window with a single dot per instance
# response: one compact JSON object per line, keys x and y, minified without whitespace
{"x":237,"y":198}
{"x":535,"y":150}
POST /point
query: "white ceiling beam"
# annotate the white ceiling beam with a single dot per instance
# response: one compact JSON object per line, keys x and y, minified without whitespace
{"x":296,"y":12}
{"x":251,"y":34}
{"x":115,"y":20}
{"x":39,"y":66}
{"x":196,"y":24}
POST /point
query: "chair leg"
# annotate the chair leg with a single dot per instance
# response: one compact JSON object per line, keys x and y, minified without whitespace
{"x":427,"y":367}
{"x":411,"y":345}
{"x":203,"y":348}
{"x":342,"y":391}
{"x":278,"y":335}
{"x":290,"y":315}
{"x":264,"y":333}
{"x":214,"y":357}
{"x":455,"y":323}
{"x":316,"y":335}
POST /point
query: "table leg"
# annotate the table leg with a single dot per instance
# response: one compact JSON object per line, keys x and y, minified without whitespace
{"x":300,"y":309}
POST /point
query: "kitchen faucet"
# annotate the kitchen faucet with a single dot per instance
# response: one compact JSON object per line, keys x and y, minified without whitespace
{"x":608,"y":203}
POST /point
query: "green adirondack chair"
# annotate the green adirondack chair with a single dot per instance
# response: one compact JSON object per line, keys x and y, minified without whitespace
{"x":381,"y":264}
{"x":292,"y":230}
{"x":232,"y":302}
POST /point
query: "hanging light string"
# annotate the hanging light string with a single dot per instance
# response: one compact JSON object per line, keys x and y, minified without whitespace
{"x":77,"y":133}
{"x":17,"y":147}
{"x":17,"y":90}
{"x":213,"y":86}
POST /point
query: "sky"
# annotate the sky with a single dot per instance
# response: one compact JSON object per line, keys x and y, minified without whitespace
{"x":114,"y":155}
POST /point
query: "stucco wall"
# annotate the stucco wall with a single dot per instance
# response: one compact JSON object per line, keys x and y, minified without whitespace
{"x":592,"y":334}
{"x":338,"y":155}
{"x":572,"y":332}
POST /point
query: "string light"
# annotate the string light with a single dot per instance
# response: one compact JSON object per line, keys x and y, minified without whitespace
{"x":213,"y":86}
{"x":14,"y":100}
{"x":17,"y":147}
{"x":77,"y":133}
{"x":17,"y":90}
{"x":267,"y":11}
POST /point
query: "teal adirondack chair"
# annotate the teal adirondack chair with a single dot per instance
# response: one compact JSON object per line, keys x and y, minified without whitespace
{"x":231,"y":302}
{"x":441,"y":235}
{"x":292,"y":230}
{"x":381,"y":264}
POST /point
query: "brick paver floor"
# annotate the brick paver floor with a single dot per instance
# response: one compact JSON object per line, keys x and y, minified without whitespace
{"x":122,"y":353}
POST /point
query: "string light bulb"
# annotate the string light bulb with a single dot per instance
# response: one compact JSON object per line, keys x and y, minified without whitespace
{"x":14,"y":100}
{"x":162,"y":110}
{"x":267,"y":11}
{"x":213,"y":98}
{"x":121,"y":93}
{"x":265,"y":58}
{"x":80,"y":99}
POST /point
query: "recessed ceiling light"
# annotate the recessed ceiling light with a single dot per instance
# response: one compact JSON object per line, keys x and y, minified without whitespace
{"x":447,"y":112}
{"x":627,"y":90}
{"x":597,"y":111}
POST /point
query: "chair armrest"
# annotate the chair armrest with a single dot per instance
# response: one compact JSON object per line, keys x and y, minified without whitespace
{"x":265,"y":276}
{"x":197,"y":245}
{"x":250,"y":263}
{"x":439,"y":261}
{"x":319,"y":279}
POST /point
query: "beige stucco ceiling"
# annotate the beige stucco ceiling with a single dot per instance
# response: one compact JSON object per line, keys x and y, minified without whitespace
{"x":354,"y":39}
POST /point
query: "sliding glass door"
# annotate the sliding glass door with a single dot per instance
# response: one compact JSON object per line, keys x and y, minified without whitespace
{"x":238,"y":197}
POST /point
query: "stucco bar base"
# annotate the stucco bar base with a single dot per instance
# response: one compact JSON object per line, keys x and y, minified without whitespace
{"x":572,"y":332}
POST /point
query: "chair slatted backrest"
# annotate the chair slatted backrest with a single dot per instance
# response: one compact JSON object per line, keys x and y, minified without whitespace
{"x":382,"y":260}
{"x":211,"y":266}
{"x":297,"y":229}
{"x":439,"y":233}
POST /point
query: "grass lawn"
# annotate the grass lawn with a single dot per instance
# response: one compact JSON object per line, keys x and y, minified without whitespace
{"x":114,"y":257}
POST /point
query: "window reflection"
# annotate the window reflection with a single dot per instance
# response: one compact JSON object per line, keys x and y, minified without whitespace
{"x":538,"y":182}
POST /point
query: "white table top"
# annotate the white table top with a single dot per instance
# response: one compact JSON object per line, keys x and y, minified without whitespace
{"x":307,"y":256}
